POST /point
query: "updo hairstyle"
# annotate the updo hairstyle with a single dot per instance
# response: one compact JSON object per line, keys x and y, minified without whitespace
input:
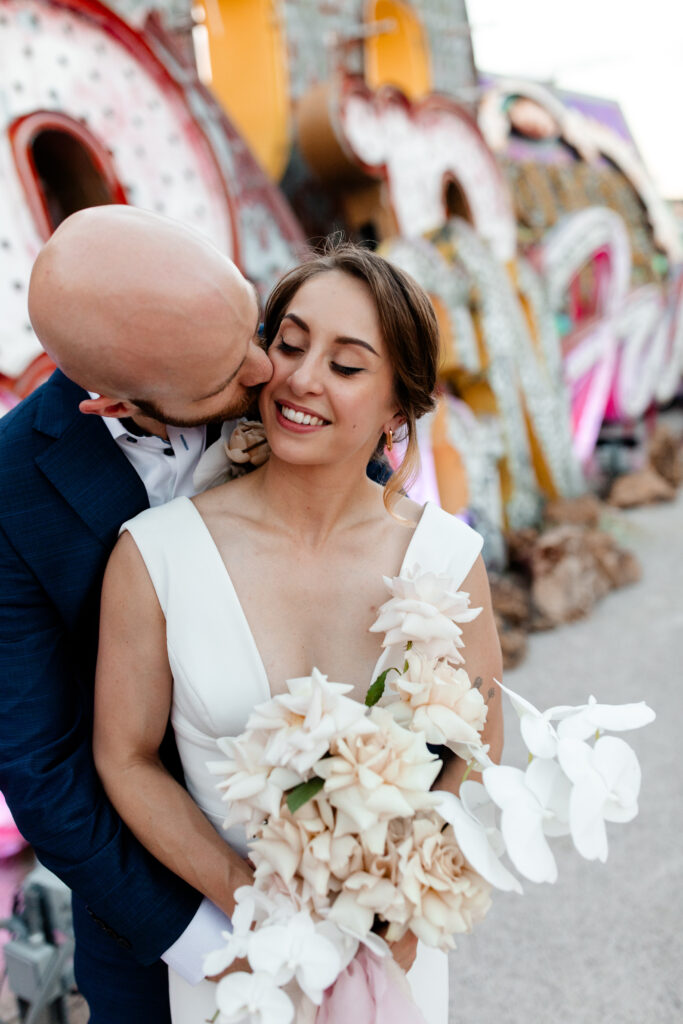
{"x":409,"y":329}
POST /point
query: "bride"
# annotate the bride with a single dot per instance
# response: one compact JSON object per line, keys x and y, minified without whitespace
{"x":211,"y":604}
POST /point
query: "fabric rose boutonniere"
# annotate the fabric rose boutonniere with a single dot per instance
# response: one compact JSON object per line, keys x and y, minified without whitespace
{"x":239,"y":449}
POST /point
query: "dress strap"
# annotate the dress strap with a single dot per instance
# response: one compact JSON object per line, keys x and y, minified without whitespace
{"x":157,"y":532}
{"x":442,"y":543}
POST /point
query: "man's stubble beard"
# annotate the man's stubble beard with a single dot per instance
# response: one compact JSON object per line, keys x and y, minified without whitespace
{"x":246,"y":406}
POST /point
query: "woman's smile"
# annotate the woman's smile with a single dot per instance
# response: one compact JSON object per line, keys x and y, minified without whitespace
{"x":297,"y":418}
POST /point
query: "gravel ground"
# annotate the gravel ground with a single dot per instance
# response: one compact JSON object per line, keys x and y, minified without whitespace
{"x":602,"y":946}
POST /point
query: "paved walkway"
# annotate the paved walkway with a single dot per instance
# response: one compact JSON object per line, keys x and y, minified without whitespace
{"x":603,"y":945}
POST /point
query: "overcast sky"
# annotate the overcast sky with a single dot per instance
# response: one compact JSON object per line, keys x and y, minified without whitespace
{"x":631,"y":51}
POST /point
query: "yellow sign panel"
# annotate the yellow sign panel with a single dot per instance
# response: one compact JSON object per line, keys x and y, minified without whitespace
{"x":249,"y":74}
{"x":398,"y":52}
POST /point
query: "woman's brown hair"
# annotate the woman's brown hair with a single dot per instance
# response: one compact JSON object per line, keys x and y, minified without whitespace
{"x":409,"y":329}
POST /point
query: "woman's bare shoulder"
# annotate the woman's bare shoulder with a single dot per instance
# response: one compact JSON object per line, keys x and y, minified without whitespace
{"x":228,"y":499}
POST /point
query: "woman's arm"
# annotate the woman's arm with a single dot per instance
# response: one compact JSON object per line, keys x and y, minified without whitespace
{"x":483,"y":663}
{"x":132,"y":704}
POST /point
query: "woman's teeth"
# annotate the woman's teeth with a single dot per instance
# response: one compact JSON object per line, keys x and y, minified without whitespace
{"x":300,"y":417}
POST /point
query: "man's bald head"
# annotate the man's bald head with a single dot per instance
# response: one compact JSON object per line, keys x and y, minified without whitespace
{"x":135,"y":306}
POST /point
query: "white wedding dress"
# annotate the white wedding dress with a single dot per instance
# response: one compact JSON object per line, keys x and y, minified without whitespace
{"x":218,"y":677}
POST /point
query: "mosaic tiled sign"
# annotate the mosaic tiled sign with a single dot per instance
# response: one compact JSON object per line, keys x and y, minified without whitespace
{"x":622,"y":352}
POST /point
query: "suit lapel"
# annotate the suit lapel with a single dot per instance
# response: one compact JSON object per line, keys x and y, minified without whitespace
{"x":85,"y":464}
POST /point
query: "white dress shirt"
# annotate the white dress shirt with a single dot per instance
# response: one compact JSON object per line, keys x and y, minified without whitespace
{"x":166,"y":468}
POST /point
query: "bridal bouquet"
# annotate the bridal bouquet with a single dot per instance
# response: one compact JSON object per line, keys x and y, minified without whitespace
{"x":351,"y":845}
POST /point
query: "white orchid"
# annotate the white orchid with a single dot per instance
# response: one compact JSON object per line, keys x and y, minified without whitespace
{"x":585,"y":721}
{"x":254,"y":998}
{"x":297,"y":949}
{"x":479,"y":805}
{"x":538,"y":733}
{"x":534,"y":804}
{"x":478,"y":839}
{"x":581,"y":721}
{"x":300,"y":724}
{"x":606,"y":784}
{"x":253,"y":907}
{"x":424,"y":610}
{"x":237,"y":941}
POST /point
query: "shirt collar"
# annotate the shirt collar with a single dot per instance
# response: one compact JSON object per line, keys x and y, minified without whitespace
{"x":115,"y":426}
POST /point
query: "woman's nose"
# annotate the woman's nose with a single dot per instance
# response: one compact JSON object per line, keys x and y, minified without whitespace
{"x":305,"y":377}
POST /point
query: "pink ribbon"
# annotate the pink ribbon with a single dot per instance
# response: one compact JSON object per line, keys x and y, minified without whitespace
{"x":369,"y":991}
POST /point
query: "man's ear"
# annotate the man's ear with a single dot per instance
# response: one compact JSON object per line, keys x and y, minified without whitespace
{"x":117,"y":408}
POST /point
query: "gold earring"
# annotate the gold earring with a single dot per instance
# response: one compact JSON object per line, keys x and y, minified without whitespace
{"x":390,"y":440}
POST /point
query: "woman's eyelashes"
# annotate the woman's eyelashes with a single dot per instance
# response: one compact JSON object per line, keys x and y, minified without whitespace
{"x":286,"y":348}
{"x":291,"y":350}
{"x":346,"y":371}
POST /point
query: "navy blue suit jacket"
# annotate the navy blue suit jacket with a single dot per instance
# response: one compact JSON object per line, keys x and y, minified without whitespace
{"x":65,"y":489}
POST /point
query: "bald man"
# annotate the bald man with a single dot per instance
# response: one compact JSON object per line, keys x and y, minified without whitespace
{"x":155,"y":334}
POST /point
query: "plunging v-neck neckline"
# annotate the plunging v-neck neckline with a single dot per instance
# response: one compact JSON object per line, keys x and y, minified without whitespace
{"x":238,"y":604}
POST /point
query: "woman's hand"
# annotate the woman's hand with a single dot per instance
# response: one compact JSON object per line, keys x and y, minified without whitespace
{"x":404,"y":951}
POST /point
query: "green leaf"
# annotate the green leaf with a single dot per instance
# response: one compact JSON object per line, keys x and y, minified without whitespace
{"x":301,"y":794}
{"x":377,"y":689}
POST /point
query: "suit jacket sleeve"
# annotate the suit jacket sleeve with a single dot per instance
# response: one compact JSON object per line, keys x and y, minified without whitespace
{"x":46,"y":767}
{"x":50,"y":783}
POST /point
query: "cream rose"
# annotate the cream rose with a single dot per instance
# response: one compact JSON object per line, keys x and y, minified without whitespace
{"x":280,"y":847}
{"x":301,"y":723}
{"x":447,"y":896}
{"x":424,"y":609}
{"x":373,"y":777}
{"x":328,"y":860}
{"x":444,"y":704}
{"x":364,"y":895}
{"x":252,"y":789}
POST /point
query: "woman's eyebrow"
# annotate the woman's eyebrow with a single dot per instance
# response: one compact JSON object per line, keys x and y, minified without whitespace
{"x":298,"y":321}
{"x":341,"y":340}
{"x":356,"y":341}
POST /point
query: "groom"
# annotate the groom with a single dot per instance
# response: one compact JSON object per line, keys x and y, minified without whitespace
{"x":155,"y":335}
